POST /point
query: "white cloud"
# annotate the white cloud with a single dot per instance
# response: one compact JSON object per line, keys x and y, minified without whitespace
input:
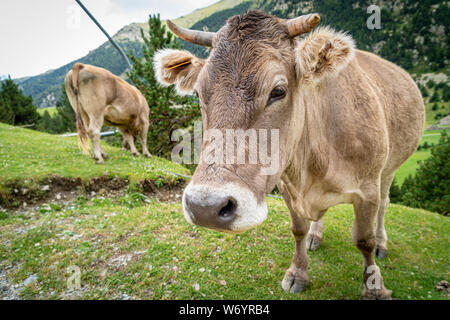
{"x":41,"y":35}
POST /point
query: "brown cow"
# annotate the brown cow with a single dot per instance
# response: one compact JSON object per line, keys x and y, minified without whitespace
{"x":347,"y":120}
{"x":97,"y":96}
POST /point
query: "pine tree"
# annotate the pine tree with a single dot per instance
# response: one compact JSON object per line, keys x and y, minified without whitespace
{"x":429,"y":188}
{"x":6,"y":113}
{"x":435,"y":97}
{"x":446,"y":93}
{"x":164,"y":119}
{"x":395,"y":194}
{"x":46,"y":122}
{"x":65,"y":117}
{"x":22,"y":106}
{"x":423,"y":90}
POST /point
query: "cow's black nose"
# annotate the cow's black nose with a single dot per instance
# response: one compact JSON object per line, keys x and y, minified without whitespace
{"x":212,"y":212}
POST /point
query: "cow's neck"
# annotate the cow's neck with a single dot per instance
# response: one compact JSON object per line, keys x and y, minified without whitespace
{"x":310,"y":159}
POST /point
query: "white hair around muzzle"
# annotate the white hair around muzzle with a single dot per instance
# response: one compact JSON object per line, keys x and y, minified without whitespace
{"x":249,"y":213}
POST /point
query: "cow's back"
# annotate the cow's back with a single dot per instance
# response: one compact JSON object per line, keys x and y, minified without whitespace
{"x":375,"y":114}
{"x":99,"y":90}
{"x":403,"y":105}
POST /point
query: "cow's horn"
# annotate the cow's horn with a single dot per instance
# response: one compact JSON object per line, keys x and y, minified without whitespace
{"x":302,"y":24}
{"x":197,"y":37}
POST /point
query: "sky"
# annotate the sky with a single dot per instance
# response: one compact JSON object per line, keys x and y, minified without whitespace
{"x":40,"y":35}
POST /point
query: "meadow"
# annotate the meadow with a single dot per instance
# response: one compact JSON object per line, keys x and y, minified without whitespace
{"x":52,"y":111}
{"x":411,"y":165}
{"x":136,"y":244}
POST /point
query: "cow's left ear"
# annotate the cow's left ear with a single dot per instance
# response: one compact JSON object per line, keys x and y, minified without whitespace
{"x":323,"y":54}
{"x":177,"y":67}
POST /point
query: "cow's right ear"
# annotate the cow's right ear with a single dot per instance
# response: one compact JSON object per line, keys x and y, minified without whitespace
{"x":177,"y":67}
{"x":323,"y":54}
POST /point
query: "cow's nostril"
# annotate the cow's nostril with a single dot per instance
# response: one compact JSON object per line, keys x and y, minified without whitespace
{"x":228,"y":210}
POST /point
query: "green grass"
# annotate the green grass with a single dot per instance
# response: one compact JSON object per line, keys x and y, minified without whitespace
{"x":33,"y":156}
{"x":443,"y":108}
{"x":411,"y":165}
{"x":51,"y":111}
{"x":432,"y":137}
{"x":145,"y":249}
{"x":164,"y":257}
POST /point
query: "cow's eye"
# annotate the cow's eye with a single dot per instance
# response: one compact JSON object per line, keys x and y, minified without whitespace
{"x":277,"y":94}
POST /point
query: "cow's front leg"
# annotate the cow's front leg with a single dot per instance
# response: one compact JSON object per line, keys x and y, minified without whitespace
{"x":366,"y":209}
{"x":315,"y":234}
{"x":296,"y":277}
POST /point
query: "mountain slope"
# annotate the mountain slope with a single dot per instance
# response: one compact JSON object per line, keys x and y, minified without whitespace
{"x":126,"y":240}
{"x":45,"y":88}
{"x":413,"y":34}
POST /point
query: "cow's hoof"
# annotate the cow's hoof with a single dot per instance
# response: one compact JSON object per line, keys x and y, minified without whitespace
{"x":293,"y":283}
{"x":381,"y":253}
{"x":377,"y":294}
{"x":147,"y":155}
{"x":99,"y":161}
{"x":313,"y":242}
{"x":136,"y":154}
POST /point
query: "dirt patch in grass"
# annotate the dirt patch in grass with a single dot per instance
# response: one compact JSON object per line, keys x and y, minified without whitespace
{"x":57,"y":189}
{"x":165,"y":192}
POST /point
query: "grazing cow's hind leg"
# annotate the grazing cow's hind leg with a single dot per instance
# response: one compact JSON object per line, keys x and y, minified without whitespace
{"x":94,"y":134}
{"x":296,"y":278}
{"x":130,"y":141}
{"x":381,"y":235}
{"x":144,"y":132}
{"x":315,"y":234}
{"x":125,"y":146}
{"x":366,"y":209}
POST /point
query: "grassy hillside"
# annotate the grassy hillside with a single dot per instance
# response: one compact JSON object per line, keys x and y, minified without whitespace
{"x":430,"y":115}
{"x":28,"y":157}
{"x":51,"y":111}
{"x":151,"y":252}
{"x":189,"y":20}
{"x":410,"y":166}
{"x":131,"y":246}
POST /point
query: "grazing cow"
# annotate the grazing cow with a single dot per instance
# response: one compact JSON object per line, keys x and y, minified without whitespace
{"x":97,"y":96}
{"x":347,"y":120}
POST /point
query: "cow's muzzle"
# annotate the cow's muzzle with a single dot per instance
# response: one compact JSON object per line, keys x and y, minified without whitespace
{"x":229,"y":208}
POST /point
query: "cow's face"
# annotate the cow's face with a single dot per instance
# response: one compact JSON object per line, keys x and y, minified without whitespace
{"x":248,"y":91}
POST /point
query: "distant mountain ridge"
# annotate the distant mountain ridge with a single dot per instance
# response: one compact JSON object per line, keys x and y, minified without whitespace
{"x":45,"y":88}
{"x":413,"y":34}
